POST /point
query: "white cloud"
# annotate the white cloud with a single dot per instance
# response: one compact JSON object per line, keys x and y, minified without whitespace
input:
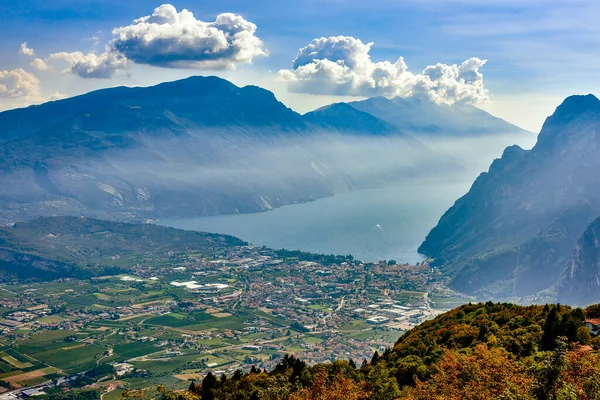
{"x":17,"y":84}
{"x":20,"y":88}
{"x":166,"y":38}
{"x":341,"y":65}
{"x":448,"y":84}
{"x":90,"y":65}
{"x":25,"y":50}
{"x":169,"y":38}
{"x":39,"y":64}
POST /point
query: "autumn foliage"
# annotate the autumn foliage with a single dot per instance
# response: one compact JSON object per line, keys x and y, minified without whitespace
{"x":475,"y":352}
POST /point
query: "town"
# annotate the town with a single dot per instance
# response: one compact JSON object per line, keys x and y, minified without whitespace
{"x":178,"y":316}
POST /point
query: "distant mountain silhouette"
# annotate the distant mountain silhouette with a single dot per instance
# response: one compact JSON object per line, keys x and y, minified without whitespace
{"x":345,"y":118}
{"x":421,"y":117}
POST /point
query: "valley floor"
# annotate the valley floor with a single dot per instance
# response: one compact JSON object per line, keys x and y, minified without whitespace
{"x":176,"y":319}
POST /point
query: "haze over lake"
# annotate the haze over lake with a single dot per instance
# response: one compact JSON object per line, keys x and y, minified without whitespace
{"x":386,"y":223}
{"x":378,"y":224}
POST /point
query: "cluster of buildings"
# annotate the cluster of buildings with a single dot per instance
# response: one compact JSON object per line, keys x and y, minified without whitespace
{"x":296,"y":303}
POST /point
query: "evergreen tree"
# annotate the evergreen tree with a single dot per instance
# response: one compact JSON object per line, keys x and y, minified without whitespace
{"x":375,"y":358}
{"x":209,"y":384}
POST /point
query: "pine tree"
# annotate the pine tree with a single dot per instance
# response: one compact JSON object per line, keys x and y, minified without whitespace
{"x":375,"y":358}
{"x":209,"y":384}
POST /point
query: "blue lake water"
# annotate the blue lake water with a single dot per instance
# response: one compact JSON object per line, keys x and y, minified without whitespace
{"x":378,"y":224}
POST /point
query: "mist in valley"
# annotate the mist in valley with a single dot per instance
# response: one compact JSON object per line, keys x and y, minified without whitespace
{"x":371,"y":196}
{"x":387,"y":194}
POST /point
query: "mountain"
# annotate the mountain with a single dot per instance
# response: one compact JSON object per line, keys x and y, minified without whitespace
{"x":421,"y":117}
{"x":59,"y":247}
{"x":195,"y":101}
{"x":515,"y":229}
{"x":120,"y":117}
{"x":198,"y":146}
{"x":580,"y":282}
{"x":343,"y":117}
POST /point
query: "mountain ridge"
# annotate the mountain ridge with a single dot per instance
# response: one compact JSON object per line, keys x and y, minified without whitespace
{"x":201,"y":142}
{"x":425,"y":118}
{"x":505,"y":228}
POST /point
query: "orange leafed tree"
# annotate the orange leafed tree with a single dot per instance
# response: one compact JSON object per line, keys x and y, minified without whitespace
{"x":339,"y":388}
{"x":485,"y":374}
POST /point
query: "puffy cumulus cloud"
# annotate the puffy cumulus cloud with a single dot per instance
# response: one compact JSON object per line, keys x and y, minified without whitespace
{"x":25,"y":50}
{"x":90,"y":65}
{"x":447,"y":84}
{"x":341,"y":65}
{"x":18,"y":84}
{"x":169,"y":38}
{"x":39,"y":64}
{"x":19,"y":88}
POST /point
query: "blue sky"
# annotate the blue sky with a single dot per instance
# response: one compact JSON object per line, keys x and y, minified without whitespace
{"x":537,"y":52}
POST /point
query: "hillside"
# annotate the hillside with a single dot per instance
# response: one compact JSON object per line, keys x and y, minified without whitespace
{"x":200,"y":101}
{"x":59,"y":247}
{"x":344,"y":117}
{"x":193,"y":147}
{"x":477,"y":351}
{"x":514,"y":231}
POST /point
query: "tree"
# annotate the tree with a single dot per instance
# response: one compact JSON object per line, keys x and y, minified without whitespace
{"x":583,"y":335}
{"x":381,"y":384}
{"x":237,"y":375}
{"x":548,"y":373}
{"x":375,"y":358}
{"x":209,"y":384}
{"x":485,"y":374}
{"x":338,"y":388}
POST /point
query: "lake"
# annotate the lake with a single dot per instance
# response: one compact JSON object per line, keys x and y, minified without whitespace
{"x":378,"y":224}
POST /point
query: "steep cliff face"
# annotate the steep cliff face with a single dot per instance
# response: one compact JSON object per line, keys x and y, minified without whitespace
{"x":580,"y":282}
{"x":512,"y":232}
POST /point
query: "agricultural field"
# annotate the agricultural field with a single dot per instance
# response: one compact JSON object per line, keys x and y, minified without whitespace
{"x":175,"y":320}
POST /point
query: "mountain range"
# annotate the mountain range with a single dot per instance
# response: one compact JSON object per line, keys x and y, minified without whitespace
{"x":528,"y":226}
{"x":425,"y":118}
{"x":203,"y":146}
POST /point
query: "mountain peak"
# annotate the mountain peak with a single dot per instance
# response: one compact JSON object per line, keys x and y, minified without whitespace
{"x":344,"y":117}
{"x":576,"y":105}
{"x":556,"y":132}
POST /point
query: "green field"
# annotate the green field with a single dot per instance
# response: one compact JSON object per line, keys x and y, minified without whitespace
{"x":72,"y":359}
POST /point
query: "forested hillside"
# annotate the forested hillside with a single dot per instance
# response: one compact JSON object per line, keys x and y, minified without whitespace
{"x":59,"y":247}
{"x":477,"y":351}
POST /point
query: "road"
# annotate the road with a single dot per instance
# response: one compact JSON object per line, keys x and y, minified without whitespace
{"x":426,"y":299}
{"x":341,"y":304}
{"x":6,"y":290}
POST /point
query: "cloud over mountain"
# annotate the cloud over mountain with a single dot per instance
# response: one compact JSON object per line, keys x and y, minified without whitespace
{"x":90,"y":65}
{"x":18,"y":83}
{"x":171,"y":39}
{"x":166,"y":38}
{"x":342,"y":65}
